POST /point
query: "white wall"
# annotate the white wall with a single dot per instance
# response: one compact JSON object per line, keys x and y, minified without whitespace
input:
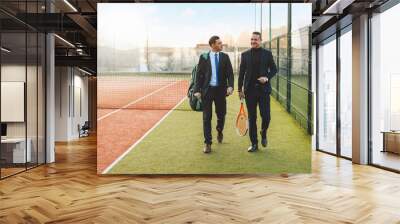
{"x":33,"y":127}
{"x":80,"y":94}
{"x":14,"y":73}
{"x":70,"y":83}
{"x":62,"y":82}
{"x":17,"y":73}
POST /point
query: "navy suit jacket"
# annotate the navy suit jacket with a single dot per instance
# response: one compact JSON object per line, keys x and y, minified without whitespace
{"x":203,"y":77}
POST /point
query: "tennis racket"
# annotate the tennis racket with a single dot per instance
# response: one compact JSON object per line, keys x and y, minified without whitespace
{"x":242,"y":124}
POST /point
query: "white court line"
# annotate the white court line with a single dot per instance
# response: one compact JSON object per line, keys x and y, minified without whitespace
{"x":135,"y":101}
{"x":138,"y":141}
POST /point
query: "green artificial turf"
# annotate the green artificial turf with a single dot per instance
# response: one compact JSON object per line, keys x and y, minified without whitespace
{"x":175,"y":146}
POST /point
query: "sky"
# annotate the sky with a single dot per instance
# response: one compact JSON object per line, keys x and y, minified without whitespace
{"x":126,"y":26}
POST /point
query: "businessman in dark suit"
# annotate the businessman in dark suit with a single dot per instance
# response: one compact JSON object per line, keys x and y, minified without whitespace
{"x":257,"y":67}
{"x":214,"y":82}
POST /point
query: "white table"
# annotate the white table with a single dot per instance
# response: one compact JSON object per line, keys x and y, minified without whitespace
{"x":18,"y":144}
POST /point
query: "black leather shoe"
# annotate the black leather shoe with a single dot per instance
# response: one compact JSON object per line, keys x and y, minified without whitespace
{"x":252,"y":148}
{"x":264,"y":140}
{"x":207,"y":148}
{"x":220,"y":137}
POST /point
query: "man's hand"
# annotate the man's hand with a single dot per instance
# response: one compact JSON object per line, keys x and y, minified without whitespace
{"x":263,"y":79}
{"x":229,"y":91}
{"x":198,"y":95}
{"x":241,"y":95}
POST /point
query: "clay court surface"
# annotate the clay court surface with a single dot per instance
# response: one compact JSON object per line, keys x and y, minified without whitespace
{"x":129,"y":106}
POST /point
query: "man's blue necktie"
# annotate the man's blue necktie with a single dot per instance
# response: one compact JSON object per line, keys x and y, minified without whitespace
{"x":216,"y":67}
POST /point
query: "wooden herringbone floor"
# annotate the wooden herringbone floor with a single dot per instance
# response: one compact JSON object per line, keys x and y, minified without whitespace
{"x":69,"y":191}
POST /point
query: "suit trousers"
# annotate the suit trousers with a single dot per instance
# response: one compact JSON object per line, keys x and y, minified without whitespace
{"x":218,"y":96}
{"x":254,"y":97}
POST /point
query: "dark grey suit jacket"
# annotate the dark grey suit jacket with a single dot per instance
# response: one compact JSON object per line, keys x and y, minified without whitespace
{"x":267,"y":68}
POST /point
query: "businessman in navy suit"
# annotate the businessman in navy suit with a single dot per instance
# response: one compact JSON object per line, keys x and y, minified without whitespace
{"x":257,"y":67}
{"x":214,"y":82}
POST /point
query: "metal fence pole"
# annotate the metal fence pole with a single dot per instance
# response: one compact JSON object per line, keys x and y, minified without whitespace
{"x":289,"y":57}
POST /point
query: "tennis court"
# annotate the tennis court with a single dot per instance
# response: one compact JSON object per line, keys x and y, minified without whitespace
{"x":161,"y":135}
{"x":129,"y":105}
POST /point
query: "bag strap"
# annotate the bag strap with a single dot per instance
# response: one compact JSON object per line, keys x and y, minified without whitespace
{"x":205,"y":55}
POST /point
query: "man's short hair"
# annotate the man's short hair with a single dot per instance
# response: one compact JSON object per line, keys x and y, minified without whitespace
{"x":213,"y":39}
{"x":257,"y":33}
